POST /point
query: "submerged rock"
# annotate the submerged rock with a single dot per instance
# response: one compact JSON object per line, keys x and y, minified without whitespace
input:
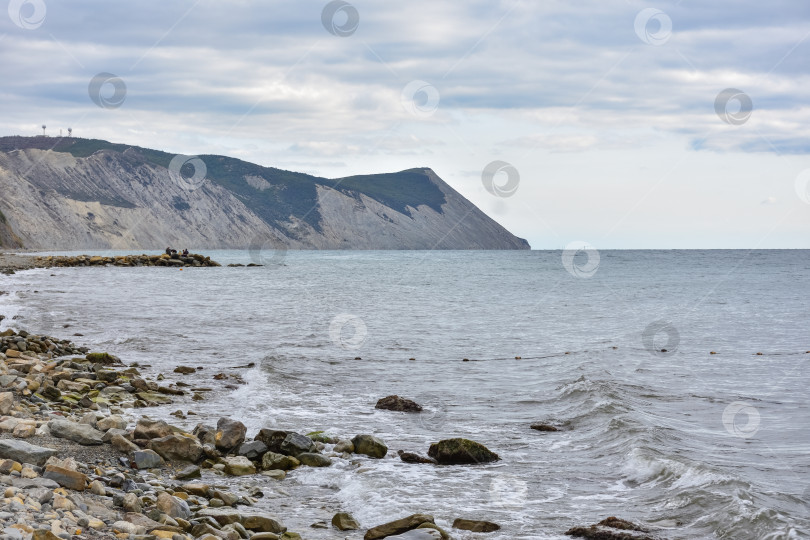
{"x":397,"y":527}
{"x":396,"y":403}
{"x":412,"y":457}
{"x":475,"y":525}
{"x":461,"y":451}
{"x":611,"y":528}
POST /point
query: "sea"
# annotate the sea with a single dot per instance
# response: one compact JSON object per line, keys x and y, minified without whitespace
{"x":678,"y":379}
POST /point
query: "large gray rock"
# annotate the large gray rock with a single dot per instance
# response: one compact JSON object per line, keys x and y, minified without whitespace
{"x":24,"y":452}
{"x":172,"y":506}
{"x":280,"y":462}
{"x":178,"y":448}
{"x":146,"y":459}
{"x":252,"y":450}
{"x":461,"y":452}
{"x":399,"y":526}
{"x":370,"y":446}
{"x":206,"y":434}
{"x":80,"y":433}
{"x":230,"y":434}
{"x":255,"y":521}
{"x":272,"y":438}
{"x":146,"y":428}
{"x":343,"y":521}
{"x":111,"y":422}
{"x":295,"y":444}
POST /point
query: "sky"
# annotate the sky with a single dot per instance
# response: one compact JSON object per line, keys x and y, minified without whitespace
{"x":620,"y":124}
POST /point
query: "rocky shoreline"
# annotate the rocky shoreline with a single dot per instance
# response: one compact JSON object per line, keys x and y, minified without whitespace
{"x":78,"y":458}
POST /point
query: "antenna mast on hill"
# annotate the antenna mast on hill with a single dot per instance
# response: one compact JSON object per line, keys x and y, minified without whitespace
{"x":43,"y":130}
{"x":70,"y":132}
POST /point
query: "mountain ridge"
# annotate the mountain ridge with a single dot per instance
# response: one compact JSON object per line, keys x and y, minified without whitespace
{"x":75,"y":193}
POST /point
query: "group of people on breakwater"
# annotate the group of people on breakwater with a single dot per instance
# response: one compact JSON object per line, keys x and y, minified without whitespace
{"x":173,"y":253}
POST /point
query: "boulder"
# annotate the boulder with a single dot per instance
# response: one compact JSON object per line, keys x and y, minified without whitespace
{"x":239,"y":466}
{"x":146,"y":428}
{"x":397,"y":527}
{"x":24,"y":452}
{"x":146,"y":459}
{"x":172,"y":506}
{"x":80,"y":433}
{"x":206,"y":434}
{"x":178,"y":447}
{"x":460,"y":452}
{"x":295,"y":443}
{"x":544,"y":427}
{"x":111,"y":422}
{"x":396,"y":403}
{"x":272,"y":438}
{"x":273,"y":461}
{"x":314,"y":460}
{"x":65,"y":477}
{"x":475,"y":525}
{"x":185,"y":370}
{"x":122,"y":444}
{"x":252,"y":450}
{"x":230,"y":434}
{"x":6,"y":402}
{"x":370,"y":446}
{"x":255,"y":521}
{"x":344,"y":522}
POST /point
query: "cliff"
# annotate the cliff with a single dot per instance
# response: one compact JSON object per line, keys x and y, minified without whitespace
{"x":71,"y":193}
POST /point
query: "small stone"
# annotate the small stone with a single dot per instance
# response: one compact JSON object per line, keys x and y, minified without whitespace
{"x":273,"y":461}
{"x":172,"y":506}
{"x":131,"y":503}
{"x":314,"y":460}
{"x":188,"y":472}
{"x":65,"y":477}
{"x":344,"y":446}
{"x":6,"y":402}
{"x":97,"y":488}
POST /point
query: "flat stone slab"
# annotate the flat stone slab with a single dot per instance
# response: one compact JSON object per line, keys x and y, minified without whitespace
{"x":24,"y":452}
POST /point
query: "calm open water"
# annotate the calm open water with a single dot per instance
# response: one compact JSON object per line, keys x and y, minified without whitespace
{"x":700,"y":445}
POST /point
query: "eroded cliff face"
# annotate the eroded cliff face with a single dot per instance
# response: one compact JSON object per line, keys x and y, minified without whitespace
{"x":121,"y":200}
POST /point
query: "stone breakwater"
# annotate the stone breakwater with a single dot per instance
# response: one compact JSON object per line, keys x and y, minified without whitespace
{"x":11,"y":263}
{"x":77,"y":460}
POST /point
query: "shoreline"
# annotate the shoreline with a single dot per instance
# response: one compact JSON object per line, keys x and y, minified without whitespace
{"x":130,"y":501}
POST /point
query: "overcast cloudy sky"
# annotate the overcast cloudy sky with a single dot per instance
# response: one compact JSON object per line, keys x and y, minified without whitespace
{"x":629,"y":124}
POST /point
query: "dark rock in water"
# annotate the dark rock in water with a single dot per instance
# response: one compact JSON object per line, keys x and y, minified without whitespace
{"x":272,"y":438}
{"x":185,"y":370}
{"x":206,"y":434}
{"x":146,"y":459}
{"x":544,"y":427}
{"x":399,"y":526}
{"x":314,"y":460}
{"x":146,"y":428}
{"x":252,"y":450}
{"x":475,"y":525}
{"x":230,"y":434}
{"x":396,"y":403}
{"x":274,"y":461}
{"x":178,"y":448}
{"x":460,"y":452}
{"x":24,"y":452}
{"x":611,"y":528}
{"x":295,"y":444}
{"x":345,"y":522}
{"x":413,"y":457}
{"x":370,"y":446}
